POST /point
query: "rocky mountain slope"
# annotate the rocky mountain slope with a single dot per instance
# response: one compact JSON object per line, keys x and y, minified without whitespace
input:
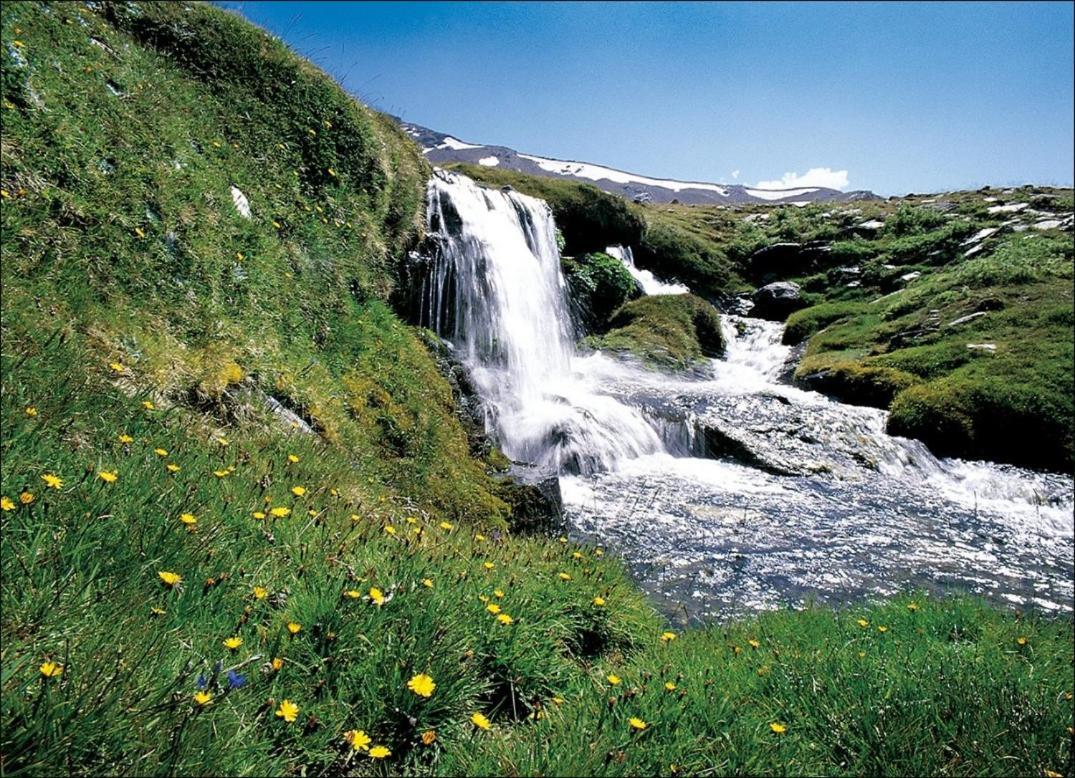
{"x":441,"y":149}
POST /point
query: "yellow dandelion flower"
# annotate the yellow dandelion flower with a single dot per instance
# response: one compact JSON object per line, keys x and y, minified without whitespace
{"x":390,"y":530}
{"x":161,"y":452}
{"x":882,"y":629}
{"x":376,"y":596}
{"x":479,"y":537}
{"x":148,"y":405}
{"x":169,"y":579}
{"x":125,"y":439}
{"x":493,"y":608}
{"x":599,"y":602}
{"x":754,"y":643}
{"x":1021,"y":640}
{"x":505,"y":619}
{"x":446,"y":526}
{"x":422,"y":685}
{"x":108,"y":476}
{"x":233,"y":643}
{"x":558,"y":700}
{"x":173,"y":467}
{"x":668,"y":637}
{"x":488,"y":565}
{"x":577,"y":555}
{"x":188,"y":519}
{"x":294,"y":628}
{"x":51,"y":669}
{"x":379,"y":752}
{"x":778,"y":728}
{"x":117,"y":367}
{"x":7,"y":504}
{"x":565,"y":576}
{"x":201,"y":699}
{"x":669,"y":686}
{"x":280,"y":512}
{"x":298,"y":491}
{"x":277,"y":663}
{"x":52,"y":481}
{"x":26,"y":497}
{"x":31,"y":411}
{"x":614,"y":680}
{"x":480,"y":721}
{"x":863,"y":623}
{"x":636,"y":723}
{"x":429,"y":737}
{"x":353,"y":594}
{"x":427,"y":583}
{"x":912,"y":606}
{"x":357,"y":739}
{"x":288,"y":711}
{"x":292,"y":458}
{"x":260,"y":592}
{"x":221,"y":473}
{"x":259,"y":515}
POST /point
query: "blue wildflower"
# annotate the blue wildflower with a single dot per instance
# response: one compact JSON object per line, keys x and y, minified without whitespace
{"x":236,"y":680}
{"x":202,"y":682}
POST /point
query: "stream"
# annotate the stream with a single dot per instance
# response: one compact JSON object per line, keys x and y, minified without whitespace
{"x":728,"y":490}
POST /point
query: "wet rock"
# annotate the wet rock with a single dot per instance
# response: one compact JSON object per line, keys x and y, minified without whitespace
{"x":775,"y":301}
{"x":726,"y":444}
{"x":537,"y":507}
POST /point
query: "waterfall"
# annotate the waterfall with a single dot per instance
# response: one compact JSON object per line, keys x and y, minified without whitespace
{"x":650,"y":283}
{"x":496,"y":292}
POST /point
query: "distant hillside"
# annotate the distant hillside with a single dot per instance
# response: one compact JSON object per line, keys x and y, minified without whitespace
{"x":441,"y":149}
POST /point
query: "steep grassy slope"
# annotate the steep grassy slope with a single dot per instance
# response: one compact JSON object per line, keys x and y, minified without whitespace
{"x":239,"y":518}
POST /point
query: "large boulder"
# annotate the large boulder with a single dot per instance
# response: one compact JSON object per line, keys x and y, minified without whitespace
{"x":777,"y":300}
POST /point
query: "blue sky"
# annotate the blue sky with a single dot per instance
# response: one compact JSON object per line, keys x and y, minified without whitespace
{"x":904,"y":97}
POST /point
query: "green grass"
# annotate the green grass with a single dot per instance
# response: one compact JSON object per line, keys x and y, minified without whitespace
{"x":141,"y":312}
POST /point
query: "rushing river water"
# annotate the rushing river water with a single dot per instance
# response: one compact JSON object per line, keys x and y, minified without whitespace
{"x":814,"y":502}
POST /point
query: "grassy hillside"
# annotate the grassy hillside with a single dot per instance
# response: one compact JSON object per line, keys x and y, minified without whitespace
{"x":241,"y":533}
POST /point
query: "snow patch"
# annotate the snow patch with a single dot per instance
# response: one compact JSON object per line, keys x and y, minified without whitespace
{"x":599,"y":173}
{"x":778,"y":194}
{"x":489,"y":161}
{"x":242,"y":205}
{"x":451,"y":143}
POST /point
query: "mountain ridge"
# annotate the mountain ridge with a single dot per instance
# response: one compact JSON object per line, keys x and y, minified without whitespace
{"x":443,"y":148}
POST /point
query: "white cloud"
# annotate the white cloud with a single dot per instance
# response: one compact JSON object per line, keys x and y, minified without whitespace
{"x":735,"y":174}
{"x":815,"y":176}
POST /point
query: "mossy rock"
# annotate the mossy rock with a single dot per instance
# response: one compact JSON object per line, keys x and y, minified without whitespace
{"x":599,"y":285}
{"x":853,"y":382}
{"x":666,"y":331}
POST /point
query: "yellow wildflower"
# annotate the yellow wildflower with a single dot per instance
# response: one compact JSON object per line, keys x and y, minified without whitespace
{"x":479,"y":537}
{"x":148,"y":405}
{"x":155,"y":611}
{"x":221,"y":473}
{"x":614,"y":680}
{"x":427,"y":583}
{"x":139,"y":232}
{"x":117,"y":367}
{"x":912,"y":606}
{"x":446,"y":526}
{"x":294,"y":628}
{"x":668,"y":637}
{"x":7,"y":504}
{"x":126,"y":439}
{"x":422,"y":685}
{"x":1021,"y":640}
{"x":565,"y":577}
{"x":292,"y":458}
{"x":599,"y":602}
{"x":277,"y":663}
{"x":379,"y":752}
{"x":26,"y":497}
{"x":298,"y":491}
{"x":488,"y":565}
{"x":390,"y":530}
{"x":280,"y":512}
{"x":233,"y":643}
{"x":259,"y":515}
{"x":188,"y":519}
{"x":493,"y":608}
{"x":161,"y":452}
{"x":754,"y":643}
{"x":260,"y":592}
{"x":863,"y":623}
{"x":354,"y":594}
{"x":357,"y":739}
{"x":288,"y":711}
{"x":376,"y":596}
{"x":170,"y":579}
{"x":108,"y":476}
{"x":173,"y":467}
{"x":669,"y":686}
{"x":505,"y":619}
{"x":778,"y":728}
{"x":52,"y":481}
{"x":636,"y":723}
{"x":480,"y":721}
{"x":498,"y":593}
{"x":882,"y":629}
{"x":31,"y":411}
{"x":202,"y":698}
{"x":51,"y":669}
{"x":429,"y":737}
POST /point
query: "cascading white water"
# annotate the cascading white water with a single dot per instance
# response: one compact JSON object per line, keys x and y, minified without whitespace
{"x":497,"y":294}
{"x":650,"y":283}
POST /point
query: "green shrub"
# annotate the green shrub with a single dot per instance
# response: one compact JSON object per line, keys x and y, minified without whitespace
{"x":599,"y":284}
{"x":913,"y":220}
